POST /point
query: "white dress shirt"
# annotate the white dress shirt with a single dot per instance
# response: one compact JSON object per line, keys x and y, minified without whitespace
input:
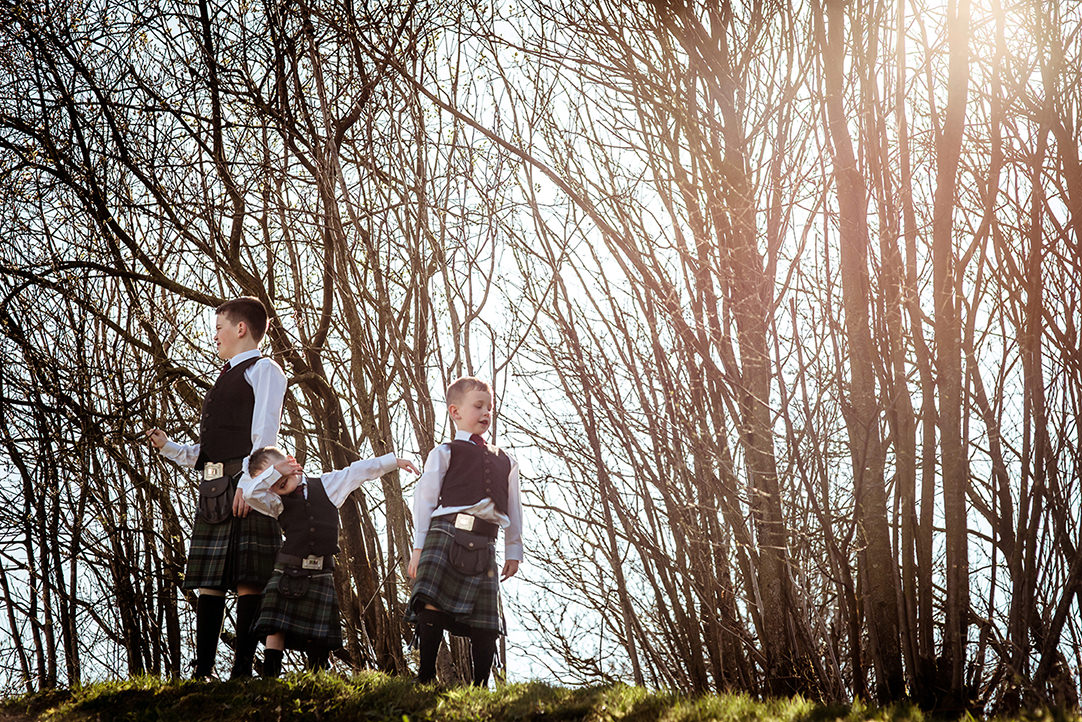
{"x":427,"y":495}
{"x":338,"y":484}
{"x":268,"y":383}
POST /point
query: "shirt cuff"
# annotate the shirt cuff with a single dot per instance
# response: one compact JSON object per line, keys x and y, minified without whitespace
{"x":265,"y":478}
{"x":513,"y":552}
{"x":388,"y":462}
{"x":179,"y":453}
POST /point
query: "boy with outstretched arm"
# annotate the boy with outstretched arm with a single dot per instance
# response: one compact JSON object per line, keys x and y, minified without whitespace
{"x":232,"y":548}
{"x":300,"y":610}
{"x":468,"y":492}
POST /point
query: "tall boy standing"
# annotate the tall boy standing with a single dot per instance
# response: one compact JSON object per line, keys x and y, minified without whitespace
{"x":469,"y":491}
{"x":232,"y":547}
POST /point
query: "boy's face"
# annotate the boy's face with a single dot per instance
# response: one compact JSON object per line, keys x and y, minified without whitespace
{"x":474,"y":413}
{"x":287,"y":484}
{"x":228,"y":336}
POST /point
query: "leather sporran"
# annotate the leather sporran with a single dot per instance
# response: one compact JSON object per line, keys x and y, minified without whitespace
{"x":294,"y":583}
{"x":470,"y":553}
{"x":214,"y":501}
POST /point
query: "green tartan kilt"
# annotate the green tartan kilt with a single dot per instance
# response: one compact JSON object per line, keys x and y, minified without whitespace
{"x":473,"y":602}
{"x":312,"y":618}
{"x":238,"y":551}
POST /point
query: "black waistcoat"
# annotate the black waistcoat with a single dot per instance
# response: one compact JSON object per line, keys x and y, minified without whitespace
{"x":310,"y":524}
{"x":225,"y":429}
{"x":474,"y":473}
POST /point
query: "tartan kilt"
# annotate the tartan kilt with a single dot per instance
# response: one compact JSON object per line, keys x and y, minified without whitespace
{"x":473,"y":602}
{"x":238,"y":551}
{"x":311,"y":618}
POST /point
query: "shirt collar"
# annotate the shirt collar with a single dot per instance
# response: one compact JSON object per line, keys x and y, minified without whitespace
{"x":462,"y":435}
{"x":244,"y":356}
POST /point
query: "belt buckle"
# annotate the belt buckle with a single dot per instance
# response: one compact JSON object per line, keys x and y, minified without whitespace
{"x":464,"y":522}
{"x":312,"y":562}
{"x":213,"y":471}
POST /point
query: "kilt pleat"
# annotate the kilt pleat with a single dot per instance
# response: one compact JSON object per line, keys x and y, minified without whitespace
{"x":472,"y":601}
{"x":240,"y":550}
{"x":312,"y":618}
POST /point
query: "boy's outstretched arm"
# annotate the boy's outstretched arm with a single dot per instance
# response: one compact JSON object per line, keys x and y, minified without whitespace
{"x":182,"y":454}
{"x":341,"y":483}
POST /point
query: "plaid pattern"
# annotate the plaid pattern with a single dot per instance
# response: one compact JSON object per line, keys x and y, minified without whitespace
{"x":238,"y":551}
{"x":473,"y":602}
{"x":312,"y":618}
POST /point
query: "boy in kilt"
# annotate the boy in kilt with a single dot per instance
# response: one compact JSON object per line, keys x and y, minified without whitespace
{"x":468,"y":491}
{"x":300,"y":610}
{"x":232,"y":548}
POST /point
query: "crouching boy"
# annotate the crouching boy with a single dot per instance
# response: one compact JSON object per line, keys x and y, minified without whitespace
{"x":300,"y":610}
{"x":469,"y":491}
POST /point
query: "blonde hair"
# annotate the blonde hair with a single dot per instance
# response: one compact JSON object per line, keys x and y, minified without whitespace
{"x":460,"y":387}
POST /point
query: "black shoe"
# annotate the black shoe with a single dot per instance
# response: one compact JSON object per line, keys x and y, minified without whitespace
{"x":241,"y":671}
{"x":199,"y":675}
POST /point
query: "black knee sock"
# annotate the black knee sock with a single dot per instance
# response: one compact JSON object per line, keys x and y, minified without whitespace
{"x":272,"y":663}
{"x":209,"y":611}
{"x":430,"y":624}
{"x":247,"y":613}
{"x":482,"y":648}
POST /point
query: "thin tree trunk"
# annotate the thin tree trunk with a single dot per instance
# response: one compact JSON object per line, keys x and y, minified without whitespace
{"x":948,"y":352}
{"x":862,"y":421}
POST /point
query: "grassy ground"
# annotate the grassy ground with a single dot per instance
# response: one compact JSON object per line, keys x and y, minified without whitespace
{"x":372,"y":696}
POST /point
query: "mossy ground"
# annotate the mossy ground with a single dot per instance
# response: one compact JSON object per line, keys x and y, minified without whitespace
{"x":373,"y":696}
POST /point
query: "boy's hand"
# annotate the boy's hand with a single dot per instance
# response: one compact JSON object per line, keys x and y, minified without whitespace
{"x":156,"y":437}
{"x":510,"y":568}
{"x":288,"y":467}
{"x":407,"y":465}
{"x":240,"y":506}
{"x":415,"y":561}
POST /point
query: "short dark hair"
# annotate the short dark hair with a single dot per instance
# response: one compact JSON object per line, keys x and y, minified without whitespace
{"x":460,"y":387}
{"x":248,"y":309}
{"x":263,"y":458}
